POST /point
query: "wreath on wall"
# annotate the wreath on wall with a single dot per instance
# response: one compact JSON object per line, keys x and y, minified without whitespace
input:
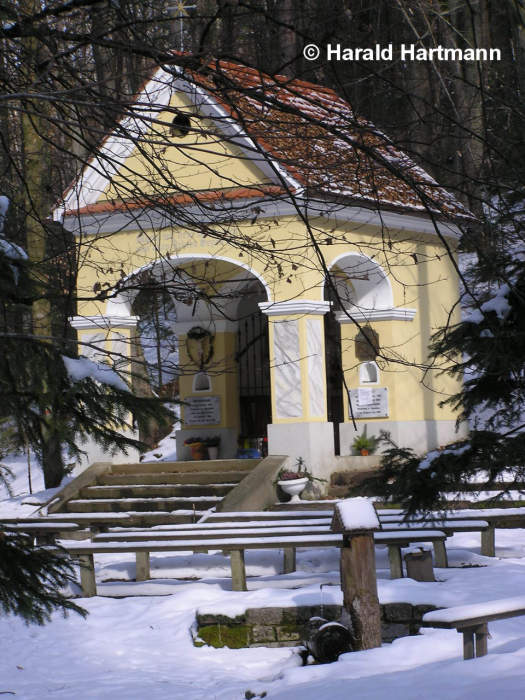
{"x":199,"y":344}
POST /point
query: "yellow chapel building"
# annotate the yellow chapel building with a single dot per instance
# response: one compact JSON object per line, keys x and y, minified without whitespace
{"x":308,"y":261}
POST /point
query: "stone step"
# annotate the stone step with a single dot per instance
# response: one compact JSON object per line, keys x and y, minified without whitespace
{"x":210,"y":477}
{"x":155,"y":491}
{"x":121,"y":505}
{"x":207,"y":465}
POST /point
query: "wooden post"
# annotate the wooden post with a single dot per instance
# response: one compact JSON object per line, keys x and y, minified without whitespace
{"x":358,"y":581}
{"x":358,"y":569}
{"x":440,"y":554}
{"x":289,"y":563}
{"x":488,"y":542}
{"x":396,"y":563}
{"x":481,"y":632}
{"x":468,"y":642}
{"x":87,"y":575}
{"x":238,"y":570}
{"x":142,"y":572}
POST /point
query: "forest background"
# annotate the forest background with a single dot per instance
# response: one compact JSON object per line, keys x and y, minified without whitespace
{"x":68,"y":74}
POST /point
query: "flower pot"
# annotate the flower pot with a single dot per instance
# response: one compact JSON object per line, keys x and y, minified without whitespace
{"x":213,"y":451}
{"x":293,"y":487}
{"x":198,"y":450}
{"x":364,"y":452}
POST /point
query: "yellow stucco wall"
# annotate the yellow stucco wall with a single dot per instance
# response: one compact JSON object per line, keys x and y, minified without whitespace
{"x":222,"y":371}
{"x":161,"y":164}
{"x":421,"y":275}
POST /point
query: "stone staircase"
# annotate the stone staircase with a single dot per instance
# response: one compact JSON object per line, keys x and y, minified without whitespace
{"x":151,"y":493}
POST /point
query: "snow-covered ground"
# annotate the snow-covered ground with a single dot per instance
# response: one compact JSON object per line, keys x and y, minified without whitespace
{"x":137,"y":645}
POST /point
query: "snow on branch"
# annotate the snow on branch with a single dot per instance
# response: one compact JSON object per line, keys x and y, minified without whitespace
{"x":83,"y":368}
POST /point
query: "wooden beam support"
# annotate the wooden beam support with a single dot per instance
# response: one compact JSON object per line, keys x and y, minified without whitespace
{"x":87,"y":575}
{"x":468,"y":642}
{"x":396,"y":563}
{"x":289,"y":560}
{"x":142,"y":569}
{"x":359,"y":585}
{"x":238,"y":570}
{"x":481,"y":633}
{"x":488,"y":542}
{"x":440,"y":554}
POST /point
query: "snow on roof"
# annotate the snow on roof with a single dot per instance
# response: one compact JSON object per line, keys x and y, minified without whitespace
{"x":309,"y":135}
{"x":316,"y":136}
{"x":356,"y":514}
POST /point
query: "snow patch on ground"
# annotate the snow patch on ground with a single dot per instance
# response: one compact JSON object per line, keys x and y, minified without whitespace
{"x":138,"y":644}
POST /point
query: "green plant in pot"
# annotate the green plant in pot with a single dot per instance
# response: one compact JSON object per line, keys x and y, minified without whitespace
{"x":364,"y":445}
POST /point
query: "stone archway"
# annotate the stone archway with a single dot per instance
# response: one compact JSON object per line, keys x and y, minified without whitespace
{"x":213,"y":298}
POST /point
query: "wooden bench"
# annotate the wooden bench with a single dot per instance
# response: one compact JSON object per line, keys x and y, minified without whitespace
{"x":449,"y":527}
{"x":267,"y":515}
{"x":497,"y":518}
{"x":42,"y":532}
{"x":472,"y":621}
{"x":235,"y":546}
{"x":394,"y":540}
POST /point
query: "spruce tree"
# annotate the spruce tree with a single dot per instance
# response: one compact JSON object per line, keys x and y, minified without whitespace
{"x":50,"y":396}
{"x":486,"y":352}
{"x":32,"y":579}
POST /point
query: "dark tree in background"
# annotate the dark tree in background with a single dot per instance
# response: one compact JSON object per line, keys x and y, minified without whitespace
{"x":69,"y":71}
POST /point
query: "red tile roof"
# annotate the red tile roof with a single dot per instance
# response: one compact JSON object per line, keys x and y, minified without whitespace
{"x":321,"y":143}
{"x":182,"y":199}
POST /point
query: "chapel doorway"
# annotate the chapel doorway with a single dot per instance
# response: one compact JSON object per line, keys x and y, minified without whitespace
{"x":254,"y":371}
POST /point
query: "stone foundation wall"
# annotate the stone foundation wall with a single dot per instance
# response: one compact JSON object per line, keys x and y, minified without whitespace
{"x":280,"y":627}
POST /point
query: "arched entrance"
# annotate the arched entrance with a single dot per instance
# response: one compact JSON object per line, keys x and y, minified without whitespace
{"x":201,"y":330}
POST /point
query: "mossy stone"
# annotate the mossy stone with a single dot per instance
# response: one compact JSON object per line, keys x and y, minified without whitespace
{"x":219,"y":636}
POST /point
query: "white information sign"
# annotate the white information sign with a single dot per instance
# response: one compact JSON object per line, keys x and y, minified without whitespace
{"x":369,"y":403}
{"x":202,"y":410}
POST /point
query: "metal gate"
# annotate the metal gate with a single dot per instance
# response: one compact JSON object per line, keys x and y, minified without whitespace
{"x":254,"y":375}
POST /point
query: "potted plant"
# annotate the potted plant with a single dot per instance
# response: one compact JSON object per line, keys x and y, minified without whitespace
{"x":212,"y":443}
{"x":198,"y":447}
{"x":293,"y":481}
{"x":364,"y":445}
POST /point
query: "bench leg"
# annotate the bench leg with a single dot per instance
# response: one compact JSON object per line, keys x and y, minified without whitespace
{"x":289,"y":563}
{"x":468,"y":642}
{"x":488,"y":542}
{"x":238,"y":570}
{"x":142,"y":572}
{"x":396,"y":563}
{"x":482,"y":633}
{"x":479,"y":634}
{"x":87,"y":575}
{"x":440,"y":555}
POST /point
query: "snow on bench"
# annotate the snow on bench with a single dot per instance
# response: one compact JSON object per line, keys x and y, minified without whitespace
{"x":264,"y":515}
{"x":472,"y":621}
{"x":503,"y":518}
{"x":235,"y":541}
{"x":43,"y":532}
